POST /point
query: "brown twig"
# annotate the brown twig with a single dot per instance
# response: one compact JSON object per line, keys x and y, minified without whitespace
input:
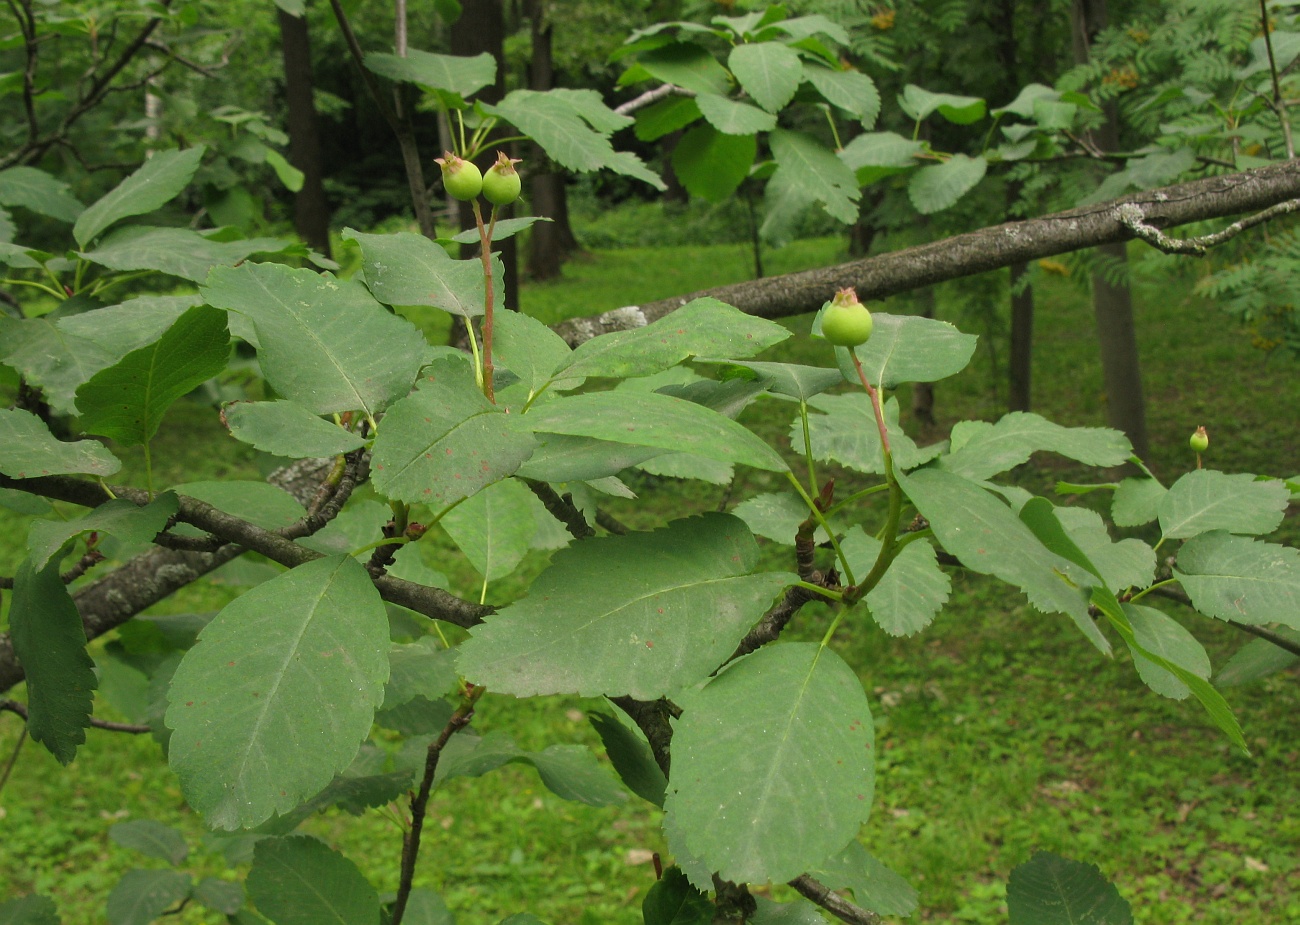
{"x":13,"y":706}
{"x":819,"y":893}
{"x":561,"y":508}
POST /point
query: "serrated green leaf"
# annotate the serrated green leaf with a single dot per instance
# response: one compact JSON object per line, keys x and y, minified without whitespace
{"x":260,"y":503}
{"x":631,"y":757}
{"x":1162,"y":635}
{"x":405,"y":268}
{"x":1136,"y":502}
{"x":939,"y":186}
{"x":961,"y":110}
{"x":656,"y":420}
{"x":493,"y":528}
{"x":38,"y":191}
{"x":875,"y":887}
{"x":133,"y":324}
{"x":572,"y":773}
{"x":1237,"y":578}
{"x":28,"y":450}
{"x":52,"y":358}
{"x":847,"y":433}
{"x":421,"y":669}
{"x":1205,"y":500}
{"x":770,"y":72}
{"x":671,"y":900}
{"x":32,"y":909}
{"x":754,"y":814}
{"x":1258,"y":659}
{"x":425,"y":907}
{"x":908,"y":348}
{"x":641,"y":614}
{"x":460,"y":74}
{"x":154,"y":184}
{"x":688,"y":466}
{"x":788,"y":379}
{"x":1052,"y":890}
{"x":151,"y":838}
{"x":21,"y":502}
{"x":284,"y":428}
{"x":50,"y":642}
{"x":249,"y":737}
{"x":561,"y":458}
{"x":850,"y":90}
{"x":126,"y":402}
{"x":813,"y":169}
{"x":1023,"y":104}
{"x":910,"y":594}
{"x":130,"y":523}
{"x":322,"y":342}
{"x":527,"y":348}
{"x":300,"y":881}
{"x":665,"y":117}
{"x":732,"y":117}
{"x":175,"y":251}
{"x":712,"y":165}
{"x":220,"y":896}
{"x":418,"y":716}
{"x":981,"y":450}
{"x":798,"y":912}
{"x":775,"y":515}
{"x":141,"y":896}
{"x":990,"y":539}
{"x":445,"y":441}
{"x":1129,"y":563}
{"x":686,"y":65}
{"x":504,"y":228}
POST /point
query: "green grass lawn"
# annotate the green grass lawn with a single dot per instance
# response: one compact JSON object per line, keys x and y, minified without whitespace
{"x":1000,"y":730}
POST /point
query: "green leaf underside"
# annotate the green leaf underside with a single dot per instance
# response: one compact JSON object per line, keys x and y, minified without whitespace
{"x":631,"y":757}
{"x":908,"y":348}
{"x":875,"y":887}
{"x":249,"y":736}
{"x":504,"y":228}
{"x":769,"y":71}
{"x":569,"y":771}
{"x":493,"y":528}
{"x":1052,"y":890}
{"x":776,"y":515}
{"x":875,"y":155}
{"x":672,"y":900}
{"x":141,"y":896}
{"x":732,"y":117}
{"x":446,"y":441}
{"x":38,"y":191}
{"x":418,"y":669}
{"x":175,"y":251}
{"x":527,"y":348}
{"x":711,"y":164}
{"x":850,"y":90}
{"x":961,"y":110}
{"x":561,"y":458}
{"x":752,"y":814}
{"x":1130,"y":563}
{"x":939,"y":186}
{"x":847,"y":433}
{"x":810,"y":168}
{"x":29,"y":450}
{"x":126,"y":402}
{"x":50,"y":642}
{"x":788,"y":379}
{"x":1205,"y":500}
{"x":322,"y":342}
{"x":980,"y":450}
{"x":1164,"y":636}
{"x":910,"y":594}
{"x":261,"y":503}
{"x":459,"y":74}
{"x":1257,"y":659}
{"x":151,"y":838}
{"x":408,"y":269}
{"x":653,"y":419}
{"x":285,"y":428}
{"x":1237,"y":578}
{"x":990,"y":539}
{"x":301,"y":881}
{"x":51,"y":357}
{"x":129,"y":522}
{"x":425,"y":907}
{"x":687,"y":65}
{"x":1136,"y":502}
{"x":643,"y":614}
{"x":156,"y":183}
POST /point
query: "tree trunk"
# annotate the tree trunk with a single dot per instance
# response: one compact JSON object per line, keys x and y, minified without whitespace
{"x":553,"y":241}
{"x":311,"y":211}
{"x":481,"y":28}
{"x":1112,"y":305}
{"x":1022,"y":339}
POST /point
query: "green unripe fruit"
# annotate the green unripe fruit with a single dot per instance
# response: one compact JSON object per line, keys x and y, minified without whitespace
{"x":846,"y":321}
{"x":460,"y":177}
{"x":1200,"y":441}
{"x":501,"y":184}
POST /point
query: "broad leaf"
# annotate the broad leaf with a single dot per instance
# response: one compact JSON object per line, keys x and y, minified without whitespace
{"x":52,"y":358}
{"x":560,"y":458}
{"x":50,"y":642}
{"x":768,"y":71}
{"x":32,"y":909}
{"x":176,"y":251}
{"x":672,"y":900}
{"x":527,"y":348}
{"x":445,"y":441}
{"x":1164,"y":636}
{"x":494,"y":528}
{"x":776,"y":515}
{"x":421,"y":669}
{"x":126,"y":402}
{"x":980,"y":450}
{"x":962,"y":110}
{"x":712,"y":165}
{"x":847,"y":433}
{"x":425,"y":907}
{"x":642,"y":614}
{"x":322,"y":342}
{"x":771,"y":812}
{"x":732,"y":117}
{"x":408,"y":269}
{"x":1205,"y":500}
{"x":665,"y":117}
{"x":504,"y":228}
{"x":572,"y":773}
{"x":939,"y":186}
{"x":875,"y":887}
{"x":462,"y":75}
{"x":1130,"y":563}
{"x":154,"y":184}
{"x":1259,"y":658}
{"x":284,"y":428}
{"x":788,"y":379}
{"x":1237,"y":578}
{"x":28,"y":450}
{"x":249,"y":736}
{"x":910,"y":594}
{"x":990,"y":539}
{"x":631,"y":757}
{"x":220,"y":896}
{"x":260,"y":503}
{"x":131,"y":523}
{"x":119,"y":329}
{"x":816,"y":173}
{"x":686,"y":65}
{"x":908,"y":348}
{"x":798,"y":912}
{"x":875,"y":155}
{"x":850,"y":90}
{"x":38,"y":191}
{"x":151,"y":838}
{"x":141,"y":896}
{"x":1136,"y":502}
{"x":688,"y":466}
{"x":1052,"y":890}
{"x":652,"y":419}
{"x":301,"y":881}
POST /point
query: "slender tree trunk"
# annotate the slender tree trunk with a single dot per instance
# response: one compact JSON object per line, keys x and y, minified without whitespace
{"x":311,"y":211}
{"x":1022,"y":338}
{"x":481,"y":28}
{"x":1112,"y":305}
{"x":553,"y":241}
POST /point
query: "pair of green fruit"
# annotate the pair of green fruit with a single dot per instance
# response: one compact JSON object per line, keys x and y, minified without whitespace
{"x":464,"y":181}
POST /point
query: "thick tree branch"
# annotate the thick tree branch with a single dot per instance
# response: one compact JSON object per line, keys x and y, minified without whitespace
{"x":976,"y":252}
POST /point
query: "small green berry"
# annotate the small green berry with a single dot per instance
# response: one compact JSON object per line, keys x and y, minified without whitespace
{"x":460,"y":177}
{"x":501,"y":184}
{"x":1200,"y":441}
{"x":846,"y":321}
